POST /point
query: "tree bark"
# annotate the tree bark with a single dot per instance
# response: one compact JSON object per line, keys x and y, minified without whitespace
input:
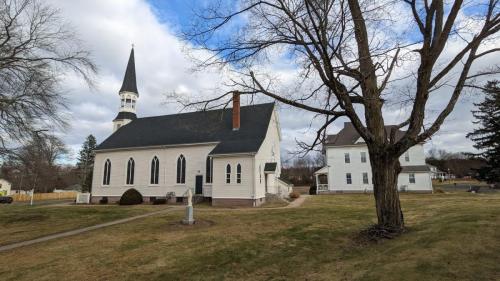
{"x":385,"y":170}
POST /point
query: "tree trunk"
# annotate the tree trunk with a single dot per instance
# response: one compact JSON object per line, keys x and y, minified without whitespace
{"x":385,"y":170}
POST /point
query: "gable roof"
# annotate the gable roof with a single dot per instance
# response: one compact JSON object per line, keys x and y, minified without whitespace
{"x":348,"y":136}
{"x":197,"y":127}
{"x":129,"y":80}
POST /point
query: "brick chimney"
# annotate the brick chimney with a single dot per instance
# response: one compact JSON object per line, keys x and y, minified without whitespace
{"x":236,"y":111}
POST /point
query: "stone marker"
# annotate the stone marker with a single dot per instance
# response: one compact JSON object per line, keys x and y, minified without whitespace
{"x":189,"y":209}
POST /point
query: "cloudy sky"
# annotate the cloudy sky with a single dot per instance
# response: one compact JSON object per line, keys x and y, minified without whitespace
{"x":109,"y":27}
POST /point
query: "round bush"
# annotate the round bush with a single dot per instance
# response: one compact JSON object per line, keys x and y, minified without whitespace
{"x":131,"y":197}
{"x":294,"y":195}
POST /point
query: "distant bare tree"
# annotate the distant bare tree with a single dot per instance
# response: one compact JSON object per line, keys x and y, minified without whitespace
{"x":36,"y":48}
{"x":36,"y":160}
{"x":350,"y":53}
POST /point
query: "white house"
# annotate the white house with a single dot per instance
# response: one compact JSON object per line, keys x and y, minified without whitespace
{"x":5,"y":187}
{"x":436,"y":173}
{"x":231,"y":156}
{"x":348,"y":166}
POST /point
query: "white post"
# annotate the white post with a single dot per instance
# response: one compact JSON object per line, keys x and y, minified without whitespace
{"x":317,"y":184}
{"x":32,"y":194}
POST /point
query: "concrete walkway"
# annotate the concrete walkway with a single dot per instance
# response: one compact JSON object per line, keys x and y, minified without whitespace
{"x":294,"y":204}
{"x":81,"y":230}
{"x":297,"y":202}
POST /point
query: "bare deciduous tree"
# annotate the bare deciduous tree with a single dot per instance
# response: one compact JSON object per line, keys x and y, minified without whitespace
{"x":36,"y":49}
{"x":350,"y":53}
{"x":36,"y":160}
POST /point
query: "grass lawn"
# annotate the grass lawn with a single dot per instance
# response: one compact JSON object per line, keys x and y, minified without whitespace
{"x":451,"y":237}
{"x":22,"y":222}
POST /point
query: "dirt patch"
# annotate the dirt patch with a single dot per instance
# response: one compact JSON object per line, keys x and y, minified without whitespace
{"x":175,"y":225}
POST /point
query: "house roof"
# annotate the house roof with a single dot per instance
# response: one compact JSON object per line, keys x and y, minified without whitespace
{"x":197,"y":127}
{"x":270,"y":167}
{"x":129,"y":81}
{"x":417,"y":169}
{"x":348,"y":135}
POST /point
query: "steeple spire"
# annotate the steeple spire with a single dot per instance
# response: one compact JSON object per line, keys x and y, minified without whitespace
{"x":129,"y":81}
{"x":128,"y":96}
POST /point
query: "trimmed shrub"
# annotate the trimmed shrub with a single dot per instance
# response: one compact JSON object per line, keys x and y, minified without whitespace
{"x":131,"y":197}
{"x":160,"y":201}
{"x":294,"y":195}
{"x":104,"y":200}
{"x":312,"y":190}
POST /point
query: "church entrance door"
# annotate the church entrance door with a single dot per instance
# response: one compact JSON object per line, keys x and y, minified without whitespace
{"x":199,"y":185}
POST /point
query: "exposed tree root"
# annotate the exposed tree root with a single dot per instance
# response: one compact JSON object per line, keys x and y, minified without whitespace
{"x":376,"y":233}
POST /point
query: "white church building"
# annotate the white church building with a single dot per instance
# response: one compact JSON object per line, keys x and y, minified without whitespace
{"x":348,"y":167}
{"x":231,"y":156}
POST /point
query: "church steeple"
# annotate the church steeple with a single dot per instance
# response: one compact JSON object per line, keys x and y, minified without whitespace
{"x":128,"y":95}
{"x":129,"y":82}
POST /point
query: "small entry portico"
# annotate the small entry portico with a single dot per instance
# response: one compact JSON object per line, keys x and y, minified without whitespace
{"x":321,"y":177}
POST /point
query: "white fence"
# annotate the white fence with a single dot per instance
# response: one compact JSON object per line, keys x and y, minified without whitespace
{"x":83,"y":198}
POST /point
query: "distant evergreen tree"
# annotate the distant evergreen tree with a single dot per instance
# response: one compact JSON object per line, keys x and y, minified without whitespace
{"x":86,"y":162}
{"x":487,"y":136}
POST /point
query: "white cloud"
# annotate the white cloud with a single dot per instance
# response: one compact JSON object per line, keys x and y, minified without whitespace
{"x":109,"y":27}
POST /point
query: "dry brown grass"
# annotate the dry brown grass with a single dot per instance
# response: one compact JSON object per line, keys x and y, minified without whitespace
{"x":450,"y":237}
{"x":21,"y":222}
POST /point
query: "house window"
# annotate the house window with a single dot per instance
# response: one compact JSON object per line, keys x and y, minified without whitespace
{"x":363,"y":157}
{"x":411,"y":178}
{"x":107,"y":172}
{"x":348,"y":178}
{"x":130,"y":171}
{"x":238,"y":173}
{"x":407,"y":156}
{"x":210,"y":169}
{"x":365,"y":178}
{"x":181,"y":169}
{"x":155,"y":170}
{"x":228,"y":173}
{"x":347,"y":158}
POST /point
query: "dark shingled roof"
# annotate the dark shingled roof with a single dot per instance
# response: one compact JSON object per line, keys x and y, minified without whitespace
{"x":418,"y":168}
{"x":270,"y":167}
{"x":129,"y":81}
{"x":125,"y":115}
{"x":348,"y":135}
{"x":197,"y":127}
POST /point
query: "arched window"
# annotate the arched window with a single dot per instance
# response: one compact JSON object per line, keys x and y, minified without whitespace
{"x":155,"y":170}
{"x":238,"y":173}
{"x":107,"y":172}
{"x":228,"y":173}
{"x":210,"y":169}
{"x":130,"y":171}
{"x":128,"y":101}
{"x":181,"y":169}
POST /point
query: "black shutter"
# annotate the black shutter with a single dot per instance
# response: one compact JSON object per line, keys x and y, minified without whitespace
{"x":183,"y":170}
{"x":157,"y":170}
{"x":179,"y":170}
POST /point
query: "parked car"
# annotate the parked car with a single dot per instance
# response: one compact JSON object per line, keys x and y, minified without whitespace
{"x":6,"y":200}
